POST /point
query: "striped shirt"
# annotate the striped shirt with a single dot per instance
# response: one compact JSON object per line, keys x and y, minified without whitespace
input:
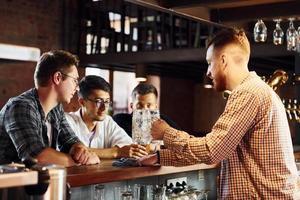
{"x":251,"y":140}
{"x":23,"y":128}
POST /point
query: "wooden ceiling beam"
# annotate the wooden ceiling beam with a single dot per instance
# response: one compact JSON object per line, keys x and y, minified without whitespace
{"x":191,"y":3}
{"x":250,"y":13}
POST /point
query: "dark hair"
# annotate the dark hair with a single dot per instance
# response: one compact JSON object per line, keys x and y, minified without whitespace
{"x":143,"y":89}
{"x":91,"y":82}
{"x":51,"y":62}
{"x":230,"y":36}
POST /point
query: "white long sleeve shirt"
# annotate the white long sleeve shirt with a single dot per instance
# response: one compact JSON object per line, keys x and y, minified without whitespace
{"x":107,"y":132}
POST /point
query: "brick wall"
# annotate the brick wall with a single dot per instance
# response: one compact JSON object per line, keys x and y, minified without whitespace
{"x":36,"y":23}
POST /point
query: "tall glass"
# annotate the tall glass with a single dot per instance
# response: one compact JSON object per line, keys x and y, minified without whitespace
{"x":141,"y":125}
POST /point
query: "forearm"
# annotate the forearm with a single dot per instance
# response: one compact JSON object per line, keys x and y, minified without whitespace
{"x":51,"y":156}
{"x":183,"y":149}
{"x":172,"y":135}
{"x":106,"y":153}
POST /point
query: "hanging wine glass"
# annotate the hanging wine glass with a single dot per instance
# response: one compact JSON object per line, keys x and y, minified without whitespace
{"x":291,"y":36}
{"x":260,"y":31}
{"x":298,"y":40}
{"x":278,"y":33}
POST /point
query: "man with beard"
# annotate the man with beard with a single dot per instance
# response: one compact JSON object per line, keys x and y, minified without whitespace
{"x":33,"y":124}
{"x":251,"y":138}
{"x":95,"y":128}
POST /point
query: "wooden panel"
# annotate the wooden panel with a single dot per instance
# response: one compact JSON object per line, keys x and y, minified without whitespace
{"x":217,"y":3}
{"x":105,"y":172}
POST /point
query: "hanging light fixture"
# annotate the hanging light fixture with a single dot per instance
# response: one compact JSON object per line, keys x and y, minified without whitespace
{"x":140,"y":72}
{"x":207,"y":82}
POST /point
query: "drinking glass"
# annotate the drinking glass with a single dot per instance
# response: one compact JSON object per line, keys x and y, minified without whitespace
{"x":99,"y":192}
{"x":146,"y":192}
{"x":127,"y":195}
{"x":123,"y":193}
{"x":260,"y":31}
{"x":278,"y":33}
{"x":298,"y":40}
{"x":291,"y":36}
{"x":136,"y":191}
{"x":159,"y":192}
{"x":141,"y":125}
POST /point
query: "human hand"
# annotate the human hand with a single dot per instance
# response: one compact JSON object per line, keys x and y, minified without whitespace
{"x":148,"y":160}
{"x":93,"y":159}
{"x":82,"y":155}
{"x":132,"y":151}
{"x":158,"y":128}
{"x":152,"y":147}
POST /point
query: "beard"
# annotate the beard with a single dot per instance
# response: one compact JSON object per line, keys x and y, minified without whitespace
{"x":219,"y":82}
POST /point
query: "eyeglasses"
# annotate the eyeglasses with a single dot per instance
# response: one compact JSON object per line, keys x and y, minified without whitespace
{"x":72,"y":77}
{"x":100,"y":102}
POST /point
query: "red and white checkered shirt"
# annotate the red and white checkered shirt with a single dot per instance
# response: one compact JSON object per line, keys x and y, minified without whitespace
{"x":252,"y":141}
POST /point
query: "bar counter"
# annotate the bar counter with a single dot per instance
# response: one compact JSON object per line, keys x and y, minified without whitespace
{"x":105,"y":172}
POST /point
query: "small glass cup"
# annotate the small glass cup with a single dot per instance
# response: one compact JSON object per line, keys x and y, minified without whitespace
{"x":159,"y":192}
{"x":146,"y":192}
{"x":99,"y":192}
{"x":117,"y":193}
{"x":127,"y":195}
{"x":136,"y":191}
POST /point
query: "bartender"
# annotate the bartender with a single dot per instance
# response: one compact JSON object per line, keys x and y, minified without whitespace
{"x":251,"y":139}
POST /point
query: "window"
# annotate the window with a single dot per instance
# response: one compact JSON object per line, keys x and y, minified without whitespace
{"x":104,"y":73}
{"x":123,"y":82}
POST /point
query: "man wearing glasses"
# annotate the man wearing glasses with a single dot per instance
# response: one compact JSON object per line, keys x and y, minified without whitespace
{"x":95,"y":128}
{"x":33,"y":124}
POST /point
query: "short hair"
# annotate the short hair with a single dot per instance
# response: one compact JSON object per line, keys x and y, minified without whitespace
{"x":230,"y":36}
{"x":92,"y":82}
{"x":143,"y":89}
{"x":51,"y":62}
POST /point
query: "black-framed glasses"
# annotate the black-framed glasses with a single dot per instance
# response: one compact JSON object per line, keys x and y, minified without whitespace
{"x":101,"y":102}
{"x":72,"y":77}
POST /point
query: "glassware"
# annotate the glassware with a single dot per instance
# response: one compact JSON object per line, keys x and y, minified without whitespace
{"x":117,"y":193}
{"x":260,"y":31}
{"x":298,"y":40}
{"x":123,"y":193}
{"x":141,"y":125}
{"x":99,"y":192}
{"x":127,"y":195}
{"x":159,"y":192}
{"x":291,"y":36}
{"x":278,"y":34}
{"x":146,"y":192}
{"x":136,"y":191}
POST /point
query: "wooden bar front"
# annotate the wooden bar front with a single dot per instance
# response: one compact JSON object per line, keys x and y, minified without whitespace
{"x":105,"y":172}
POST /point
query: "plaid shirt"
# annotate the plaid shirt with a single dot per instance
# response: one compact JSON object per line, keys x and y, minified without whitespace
{"x":23,"y":131}
{"x":252,"y":141}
